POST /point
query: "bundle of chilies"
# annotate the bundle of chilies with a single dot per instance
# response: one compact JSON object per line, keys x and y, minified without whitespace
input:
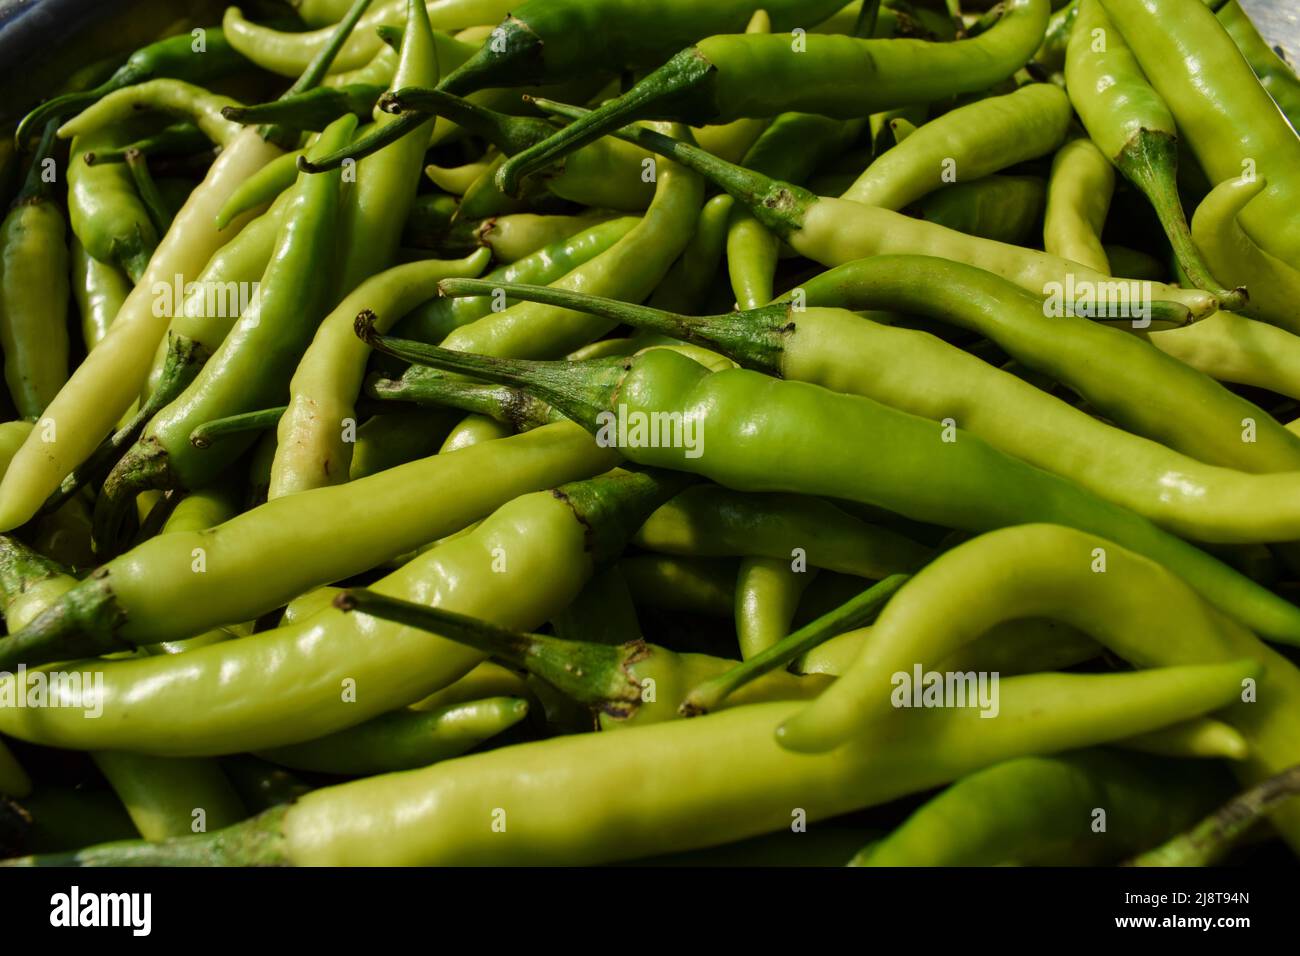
{"x":441,"y":438}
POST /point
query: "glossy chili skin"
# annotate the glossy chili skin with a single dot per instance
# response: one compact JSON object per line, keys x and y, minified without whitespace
{"x":436,"y":319}
{"x":834,"y":231}
{"x":1274,"y":284}
{"x":967,"y":143}
{"x":1056,"y":576}
{"x":1078,"y":198}
{"x":313,"y":449}
{"x":106,"y":213}
{"x":289,"y":685}
{"x":265,"y":557}
{"x":1233,"y":348}
{"x":104,"y":386}
{"x":251,"y":368}
{"x":34,"y":289}
{"x":289,"y":53}
{"x":724,"y":78}
{"x":1133,"y":126}
{"x":714,"y":779}
{"x":99,"y":289}
{"x":918,"y":373}
{"x":1225,"y":115}
{"x":548,"y":40}
{"x":196,"y":57}
{"x":1039,"y":810}
{"x":754,"y":433}
{"x":767,"y":597}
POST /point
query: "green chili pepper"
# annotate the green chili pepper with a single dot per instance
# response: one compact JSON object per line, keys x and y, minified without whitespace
{"x":686,"y":284}
{"x":624,"y":684}
{"x":1078,"y":197}
{"x":1024,"y":646}
{"x":834,"y":231}
{"x":511,"y":238}
{"x":967,"y":143}
{"x":436,"y":319}
{"x":264,"y":558}
{"x":1051,"y":55}
{"x":1045,"y":811}
{"x":709,"y":521}
{"x":1207,"y":842}
{"x":1275,"y":74}
{"x":1133,"y":127}
{"x":1274,"y":284}
{"x":767,"y":597}
{"x":1057,"y":573}
{"x":172,"y":97}
{"x":165,"y":798}
{"x":607,"y":174}
{"x":791,"y":147}
{"x":747,"y":431}
{"x":312,"y":109}
{"x":1229,"y":120}
{"x":314,"y":447}
{"x":731,"y":141}
{"x":264,"y":186}
{"x":547,"y":40}
{"x":1202,"y":738}
{"x":1006,"y":209}
{"x":922,"y":375}
{"x":288,"y":54}
{"x":724,"y":78}
{"x":106,"y":213}
{"x":403,"y":740}
{"x":178,"y":139}
{"x":288,"y":685}
{"x":197,"y":56}
{"x":707,"y":781}
{"x":251,"y":368}
{"x":388,"y":180}
{"x":1233,"y":348}
{"x":104,"y":385}
{"x":34,"y":288}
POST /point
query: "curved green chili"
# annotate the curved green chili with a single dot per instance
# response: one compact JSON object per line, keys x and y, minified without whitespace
{"x":99,"y":289}
{"x":1078,"y":198}
{"x":1274,"y":284}
{"x":1233,"y":348}
{"x":835,"y":231}
{"x":34,"y":288}
{"x":810,"y":440}
{"x":1128,"y":603}
{"x":548,"y":40}
{"x":313,"y":435}
{"x":724,"y":78}
{"x":1093,"y":807}
{"x":285,"y":686}
{"x":707,"y":781}
{"x":767,"y":598}
{"x":197,"y":56}
{"x":264,"y":186}
{"x":264,"y":558}
{"x":920,"y":374}
{"x":967,"y":143}
{"x":1225,"y":115}
{"x":250,"y":369}
{"x":106,"y":213}
{"x":1134,"y":128}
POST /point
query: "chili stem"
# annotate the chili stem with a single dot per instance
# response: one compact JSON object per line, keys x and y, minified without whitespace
{"x":855,"y":613}
{"x":208,"y":432}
